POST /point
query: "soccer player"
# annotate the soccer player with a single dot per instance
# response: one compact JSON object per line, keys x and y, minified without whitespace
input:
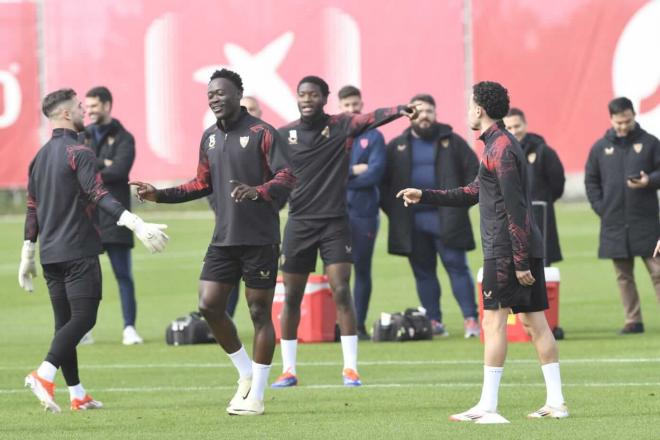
{"x":319,"y":148}
{"x":64,"y":188}
{"x":513,"y":255}
{"x":242,"y":164}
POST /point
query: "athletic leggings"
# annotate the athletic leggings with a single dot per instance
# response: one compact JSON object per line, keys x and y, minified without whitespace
{"x":73,"y":318}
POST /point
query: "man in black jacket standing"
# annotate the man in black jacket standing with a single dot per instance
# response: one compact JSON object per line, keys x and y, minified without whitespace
{"x":622,"y":177}
{"x":115,"y":151}
{"x":546,"y":174}
{"x":430,"y":155}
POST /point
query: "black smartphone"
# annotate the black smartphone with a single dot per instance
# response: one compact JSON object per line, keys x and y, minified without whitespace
{"x":635,"y":176}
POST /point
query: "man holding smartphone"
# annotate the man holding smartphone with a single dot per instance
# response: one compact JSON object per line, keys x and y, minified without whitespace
{"x":622,"y":177}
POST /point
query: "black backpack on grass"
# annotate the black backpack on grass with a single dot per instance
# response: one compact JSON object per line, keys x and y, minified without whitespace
{"x":411,"y":325}
{"x":191,"y":329}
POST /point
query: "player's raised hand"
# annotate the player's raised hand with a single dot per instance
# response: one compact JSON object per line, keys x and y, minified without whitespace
{"x":150,"y":234}
{"x":28,"y":268}
{"x":243,"y":191}
{"x":410,"y":196}
{"x":411,"y":112}
{"x":144,"y":191}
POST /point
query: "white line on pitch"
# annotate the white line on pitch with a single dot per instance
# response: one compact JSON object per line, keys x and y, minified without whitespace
{"x":362,"y":363}
{"x":342,"y":387}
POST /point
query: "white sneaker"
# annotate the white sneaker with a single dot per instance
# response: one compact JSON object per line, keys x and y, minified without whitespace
{"x":244,"y":387}
{"x":44,"y":390}
{"x":551,"y":412}
{"x":130,"y":336}
{"x":88,"y":339}
{"x":247,"y":407}
{"x":478,"y":415}
{"x":471,"y":327}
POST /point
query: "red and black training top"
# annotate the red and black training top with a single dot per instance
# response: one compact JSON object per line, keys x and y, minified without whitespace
{"x":319,"y":152}
{"x":64,"y":189}
{"x":249,"y":151}
{"x":501,"y":188}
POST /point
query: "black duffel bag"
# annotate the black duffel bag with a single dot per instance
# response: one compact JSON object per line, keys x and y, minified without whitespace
{"x":191,"y":329}
{"x":411,"y":325}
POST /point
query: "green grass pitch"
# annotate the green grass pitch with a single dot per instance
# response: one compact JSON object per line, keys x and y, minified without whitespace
{"x":612,"y":383}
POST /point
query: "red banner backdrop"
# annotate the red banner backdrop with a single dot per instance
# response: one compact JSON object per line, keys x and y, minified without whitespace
{"x":156,"y":57}
{"x":19,"y":91}
{"x":561,"y":64}
{"x":558,"y":61}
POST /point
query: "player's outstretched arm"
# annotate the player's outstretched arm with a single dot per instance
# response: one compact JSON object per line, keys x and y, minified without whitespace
{"x":150,"y":234}
{"x":358,"y":124}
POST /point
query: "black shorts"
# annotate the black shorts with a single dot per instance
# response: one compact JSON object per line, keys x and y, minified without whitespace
{"x":304,"y":237}
{"x":79,"y":278}
{"x":257,"y":265}
{"x":501,"y":288}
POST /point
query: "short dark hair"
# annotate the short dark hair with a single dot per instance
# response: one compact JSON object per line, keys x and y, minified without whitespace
{"x":54,"y":99}
{"x":228,"y":75}
{"x":514,"y":111}
{"x":101,"y":92}
{"x":424,"y":97}
{"x":348,"y":91}
{"x":325,"y":90}
{"x":492,"y":97}
{"x":620,"y":105}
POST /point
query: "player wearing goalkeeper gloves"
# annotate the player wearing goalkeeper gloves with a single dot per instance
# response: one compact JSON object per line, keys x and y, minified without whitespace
{"x":243,"y":167}
{"x":63,"y":190}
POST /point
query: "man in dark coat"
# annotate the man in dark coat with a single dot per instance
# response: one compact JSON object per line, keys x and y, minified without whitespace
{"x":546,"y":174}
{"x":115,"y":152}
{"x":429,"y":154}
{"x":622,"y":177}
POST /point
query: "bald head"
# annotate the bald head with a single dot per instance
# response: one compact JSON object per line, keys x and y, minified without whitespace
{"x":252,"y":106}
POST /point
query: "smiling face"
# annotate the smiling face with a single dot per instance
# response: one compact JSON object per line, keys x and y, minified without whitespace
{"x":310,"y":100}
{"x":224,"y":98}
{"x":98,"y":111}
{"x":516,"y":126}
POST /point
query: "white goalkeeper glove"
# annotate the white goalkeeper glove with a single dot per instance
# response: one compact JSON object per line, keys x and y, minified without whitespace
{"x":150,"y":234}
{"x":28,"y":268}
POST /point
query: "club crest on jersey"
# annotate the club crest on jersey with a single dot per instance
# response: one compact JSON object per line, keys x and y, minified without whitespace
{"x":638,"y":148}
{"x":244,"y":140}
{"x":445,"y":143}
{"x":364,"y":143}
{"x":212,"y":141}
{"x":488,"y":294}
{"x":531,"y":157}
{"x":401,"y":147}
{"x":293,"y":137}
{"x":326,"y":132}
{"x":609,"y":151}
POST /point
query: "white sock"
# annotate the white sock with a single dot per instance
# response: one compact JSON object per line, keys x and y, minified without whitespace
{"x":491,"y":387}
{"x":77,"y":392}
{"x":289,"y":349}
{"x":259,"y":380}
{"x":349,"y":346}
{"x":242,"y":362}
{"x":553,"y":384}
{"x":47,"y":371}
